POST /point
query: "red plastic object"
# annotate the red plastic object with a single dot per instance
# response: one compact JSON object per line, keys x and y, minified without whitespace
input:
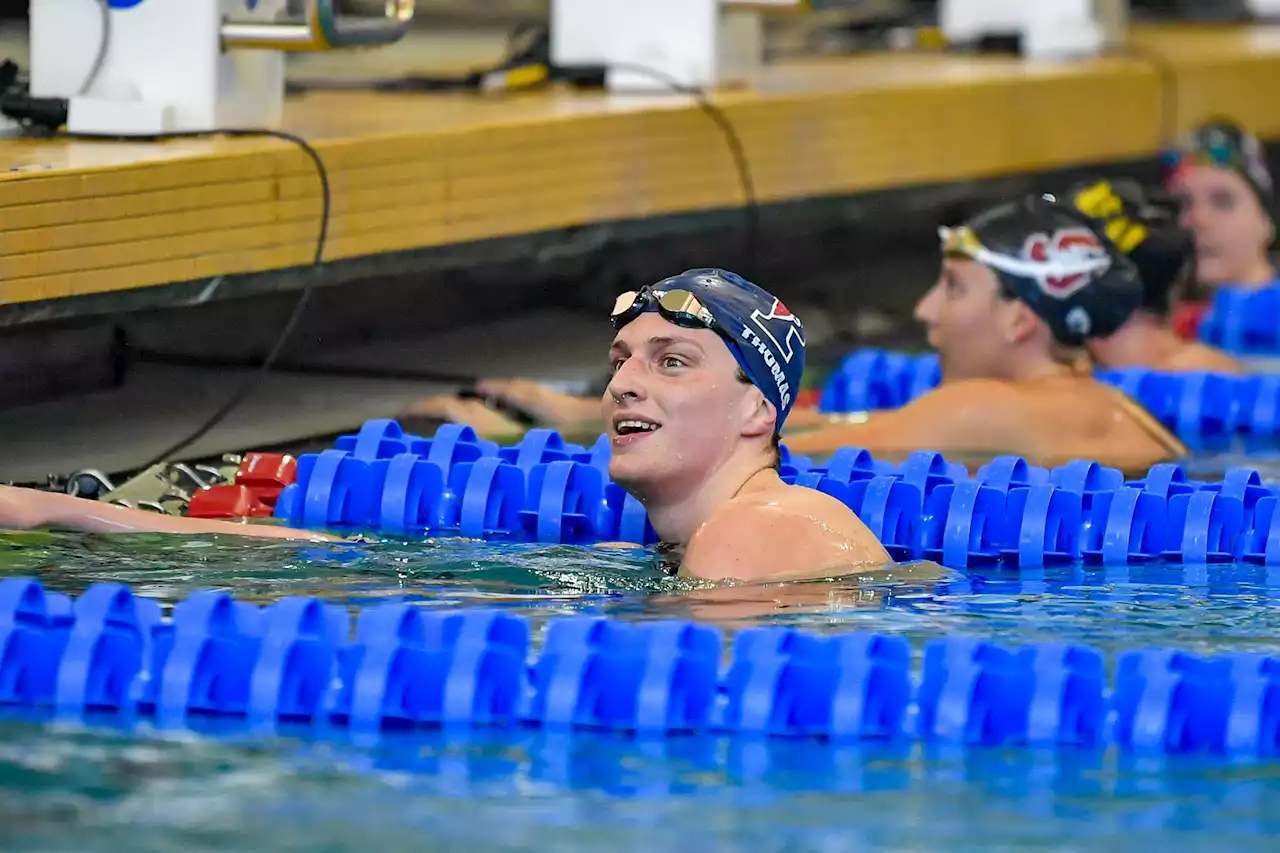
{"x":227,"y":502}
{"x":808,"y":398}
{"x":266,"y":474}
{"x":1186,"y":319}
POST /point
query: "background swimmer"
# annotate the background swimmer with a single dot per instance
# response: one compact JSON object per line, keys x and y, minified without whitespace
{"x":1150,"y":236}
{"x":1226,"y":196}
{"x":1023,"y":287}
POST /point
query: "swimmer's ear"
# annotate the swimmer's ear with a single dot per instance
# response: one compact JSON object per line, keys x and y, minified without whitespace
{"x":761,"y":415}
{"x":1020,"y":322}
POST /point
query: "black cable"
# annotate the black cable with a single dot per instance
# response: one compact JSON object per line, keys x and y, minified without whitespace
{"x":529,"y":48}
{"x":104,"y":43}
{"x":52,"y":113}
{"x":317,"y":265}
{"x":750,"y":203}
{"x":592,"y":76}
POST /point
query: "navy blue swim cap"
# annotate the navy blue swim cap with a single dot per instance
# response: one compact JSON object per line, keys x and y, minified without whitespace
{"x":765,"y":338}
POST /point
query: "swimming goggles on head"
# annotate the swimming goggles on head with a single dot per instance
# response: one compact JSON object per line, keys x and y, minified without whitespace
{"x":1219,"y":153}
{"x":681,"y":307}
{"x":1211,"y":154}
{"x":961,"y":243}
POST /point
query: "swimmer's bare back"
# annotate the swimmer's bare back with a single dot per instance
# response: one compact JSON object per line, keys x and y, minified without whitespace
{"x":772,"y":531}
{"x":1048,"y":421}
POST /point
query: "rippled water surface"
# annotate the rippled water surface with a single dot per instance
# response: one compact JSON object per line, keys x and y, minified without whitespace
{"x":98,"y":791}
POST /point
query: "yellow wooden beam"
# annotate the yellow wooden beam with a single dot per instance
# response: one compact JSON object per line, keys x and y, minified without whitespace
{"x":414,"y":171}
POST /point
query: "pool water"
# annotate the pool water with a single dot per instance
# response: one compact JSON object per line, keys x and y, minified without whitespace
{"x":96,"y":790}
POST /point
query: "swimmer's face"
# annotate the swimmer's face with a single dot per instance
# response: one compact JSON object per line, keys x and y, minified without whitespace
{"x":674,"y":409}
{"x":1230,"y":228}
{"x":969,"y":323}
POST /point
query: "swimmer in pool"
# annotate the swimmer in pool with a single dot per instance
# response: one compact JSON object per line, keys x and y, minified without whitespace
{"x":1162,"y":251}
{"x":1024,"y":286}
{"x":1226,"y":196}
{"x":705,"y":369}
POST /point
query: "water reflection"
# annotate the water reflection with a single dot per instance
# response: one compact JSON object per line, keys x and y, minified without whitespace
{"x":483,"y":792}
{"x":1205,"y":608}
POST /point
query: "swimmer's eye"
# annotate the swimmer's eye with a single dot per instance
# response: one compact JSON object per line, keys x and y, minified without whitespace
{"x":671,"y":362}
{"x":1223,"y":200}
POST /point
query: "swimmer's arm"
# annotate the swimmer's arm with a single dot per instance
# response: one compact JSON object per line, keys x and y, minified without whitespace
{"x":974,"y":415}
{"x":548,"y":405}
{"x":29,"y":508}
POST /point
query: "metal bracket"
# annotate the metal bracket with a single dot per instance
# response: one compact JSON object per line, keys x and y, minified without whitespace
{"x":322,"y":28}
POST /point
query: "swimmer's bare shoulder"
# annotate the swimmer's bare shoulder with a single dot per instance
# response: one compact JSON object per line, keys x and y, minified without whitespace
{"x":1195,"y":356}
{"x":781,"y":532}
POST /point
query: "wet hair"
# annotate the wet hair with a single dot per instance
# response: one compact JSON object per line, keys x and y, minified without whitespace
{"x":742,"y":377}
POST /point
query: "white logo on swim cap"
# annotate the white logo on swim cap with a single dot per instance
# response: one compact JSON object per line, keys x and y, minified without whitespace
{"x":1079,"y":322}
{"x":792,"y":332}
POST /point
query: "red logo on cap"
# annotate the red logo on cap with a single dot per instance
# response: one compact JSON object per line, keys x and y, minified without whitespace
{"x":1066,"y":246}
{"x":780,"y":312}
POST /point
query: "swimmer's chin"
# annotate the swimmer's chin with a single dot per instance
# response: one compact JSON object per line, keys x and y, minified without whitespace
{"x":634,"y":482}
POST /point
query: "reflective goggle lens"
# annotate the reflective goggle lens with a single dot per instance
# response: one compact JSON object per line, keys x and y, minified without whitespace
{"x":625,"y":304}
{"x":679,"y":306}
{"x":960,"y":243}
{"x":683,"y":306}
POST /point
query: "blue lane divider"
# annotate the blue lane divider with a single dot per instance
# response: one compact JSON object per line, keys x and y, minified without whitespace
{"x":302,"y":666}
{"x":1245,"y":322}
{"x":926,"y":507}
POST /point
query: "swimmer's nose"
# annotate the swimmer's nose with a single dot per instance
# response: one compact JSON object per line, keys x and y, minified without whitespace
{"x":926,"y":311}
{"x":1192,"y":217}
{"x":627,"y":383}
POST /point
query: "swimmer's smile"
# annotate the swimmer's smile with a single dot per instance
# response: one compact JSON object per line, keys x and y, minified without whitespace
{"x":628,"y":429}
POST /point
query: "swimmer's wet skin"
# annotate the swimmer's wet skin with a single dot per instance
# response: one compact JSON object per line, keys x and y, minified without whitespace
{"x":1023,"y":287}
